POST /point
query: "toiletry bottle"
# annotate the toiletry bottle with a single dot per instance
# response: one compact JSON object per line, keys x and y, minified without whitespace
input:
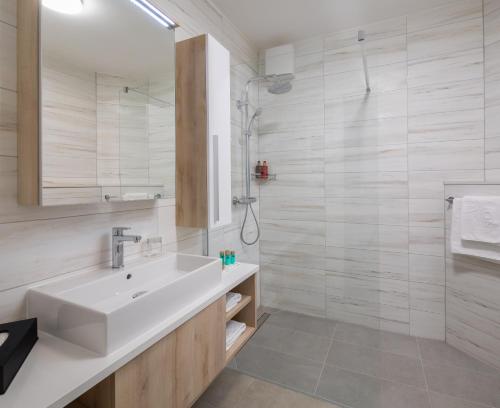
{"x":233,"y":257}
{"x":265,"y":170}
{"x":222,"y":258}
{"x":258,"y":170}
{"x":227,"y":257}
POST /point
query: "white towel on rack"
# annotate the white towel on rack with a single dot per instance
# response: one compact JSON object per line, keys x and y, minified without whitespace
{"x":232,"y":299}
{"x":483,"y":250}
{"x":135,"y":196}
{"x":481,"y":219}
{"x":234,"y":330}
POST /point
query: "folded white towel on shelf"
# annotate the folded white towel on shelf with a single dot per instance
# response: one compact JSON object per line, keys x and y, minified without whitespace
{"x":232,"y":299}
{"x":135,"y":196}
{"x":481,"y":219}
{"x":234,"y":330}
{"x":458,"y":245}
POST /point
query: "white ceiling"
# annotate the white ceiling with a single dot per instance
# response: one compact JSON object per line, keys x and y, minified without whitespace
{"x":267,"y":23}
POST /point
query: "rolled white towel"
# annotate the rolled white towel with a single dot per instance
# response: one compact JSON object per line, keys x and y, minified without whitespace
{"x":234,"y":330}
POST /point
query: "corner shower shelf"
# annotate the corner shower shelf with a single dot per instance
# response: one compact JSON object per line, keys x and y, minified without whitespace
{"x":270,"y":177}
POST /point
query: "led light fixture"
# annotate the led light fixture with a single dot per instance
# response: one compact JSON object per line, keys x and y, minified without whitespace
{"x":152,"y":11}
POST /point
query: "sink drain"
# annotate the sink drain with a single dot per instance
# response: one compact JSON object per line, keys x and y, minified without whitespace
{"x":137,"y":294}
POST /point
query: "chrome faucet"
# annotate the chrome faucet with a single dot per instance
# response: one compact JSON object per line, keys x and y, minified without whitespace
{"x":117,"y":245}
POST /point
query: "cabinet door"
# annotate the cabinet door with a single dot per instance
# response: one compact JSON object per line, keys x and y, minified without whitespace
{"x":149,"y":379}
{"x":219,"y":133}
{"x":200,"y":353}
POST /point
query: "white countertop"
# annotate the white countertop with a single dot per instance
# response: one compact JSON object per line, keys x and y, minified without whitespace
{"x":57,"y":372}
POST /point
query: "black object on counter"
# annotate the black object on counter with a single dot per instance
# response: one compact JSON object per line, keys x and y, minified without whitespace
{"x":22,"y":336}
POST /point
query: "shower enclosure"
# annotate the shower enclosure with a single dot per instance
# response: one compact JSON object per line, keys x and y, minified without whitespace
{"x":276,"y":84}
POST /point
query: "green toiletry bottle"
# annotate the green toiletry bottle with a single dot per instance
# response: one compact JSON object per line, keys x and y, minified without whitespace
{"x":233,"y":258}
{"x":222,"y":258}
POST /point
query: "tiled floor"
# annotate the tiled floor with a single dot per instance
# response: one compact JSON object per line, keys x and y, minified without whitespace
{"x":358,"y":367}
{"x":235,"y":390}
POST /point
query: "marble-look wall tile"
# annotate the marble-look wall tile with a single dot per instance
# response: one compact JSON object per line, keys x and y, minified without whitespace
{"x":291,"y":185}
{"x":308,"y":65}
{"x":427,"y":298}
{"x":8,"y":12}
{"x":387,"y":154}
{"x":8,"y":71}
{"x":446,"y":97}
{"x":285,"y":117}
{"x":491,"y":20}
{"x":446,"y":126}
{"x":455,"y":155}
{"x":299,"y":208}
{"x":430,"y":184}
{"x":295,"y":161}
{"x":388,"y":238}
{"x":389,"y":158}
{"x":366,"y":107}
{"x":444,"y":39}
{"x":382,"y":79}
{"x":363,"y":263}
{"x":379,"y":303}
{"x":372,"y":184}
{"x":455,"y":12}
{"x":293,"y":232}
{"x":382,"y":52}
{"x":393,"y":27}
{"x":426,"y":241}
{"x":290,"y":254}
{"x":458,"y":66}
{"x":8,"y":123}
{"x":426,"y":212}
{"x":384,"y":211}
{"x":376,"y":132}
{"x":427,"y":269}
{"x":291,"y":140}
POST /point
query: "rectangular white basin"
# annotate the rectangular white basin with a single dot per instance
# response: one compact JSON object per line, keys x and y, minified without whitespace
{"x":104,"y":313}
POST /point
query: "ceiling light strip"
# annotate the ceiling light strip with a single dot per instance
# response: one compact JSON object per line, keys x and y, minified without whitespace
{"x":148,"y":8}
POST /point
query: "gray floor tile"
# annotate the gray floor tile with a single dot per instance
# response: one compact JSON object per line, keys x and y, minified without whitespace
{"x":362,"y":391}
{"x":227,"y":388}
{"x":291,"y":341}
{"x":438,"y":352}
{"x":385,"y":341}
{"x":461,"y":383}
{"x":295,"y":372}
{"x":308,"y":324}
{"x":445,"y":401}
{"x":393,"y":367}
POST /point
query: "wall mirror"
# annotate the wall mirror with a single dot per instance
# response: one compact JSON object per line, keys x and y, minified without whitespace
{"x":106,"y":103}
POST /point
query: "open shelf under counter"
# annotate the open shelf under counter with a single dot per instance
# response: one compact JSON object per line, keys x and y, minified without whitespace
{"x":245,"y":300}
{"x":239,"y":343}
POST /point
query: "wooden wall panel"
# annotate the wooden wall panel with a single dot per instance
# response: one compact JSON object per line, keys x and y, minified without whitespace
{"x":28,"y":102}
{"x":191,"y":190}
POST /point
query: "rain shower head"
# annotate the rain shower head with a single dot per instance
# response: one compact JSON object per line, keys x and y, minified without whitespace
{"x":278,"y":84}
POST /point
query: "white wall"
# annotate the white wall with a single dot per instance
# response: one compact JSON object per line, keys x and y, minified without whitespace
{"x":39,"y":243}
{"x":353,"y":229}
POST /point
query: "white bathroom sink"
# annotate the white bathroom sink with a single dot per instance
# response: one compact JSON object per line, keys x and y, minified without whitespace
{"x":104,"y":313}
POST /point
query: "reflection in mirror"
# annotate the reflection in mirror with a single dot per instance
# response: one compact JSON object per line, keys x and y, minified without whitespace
{"x":108,"y":105}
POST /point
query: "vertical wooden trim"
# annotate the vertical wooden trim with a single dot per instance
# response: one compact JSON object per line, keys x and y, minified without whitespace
{"x":191,"y":184}
{"x":28,"y":158}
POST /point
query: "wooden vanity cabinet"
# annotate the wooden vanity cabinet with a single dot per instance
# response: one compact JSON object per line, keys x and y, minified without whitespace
{"x":173,"y":372}
{"x":176,"y":371}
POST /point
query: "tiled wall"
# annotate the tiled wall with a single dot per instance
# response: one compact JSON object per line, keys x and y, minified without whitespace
{"x":353,"y":229}
{"x":39,"y":243}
